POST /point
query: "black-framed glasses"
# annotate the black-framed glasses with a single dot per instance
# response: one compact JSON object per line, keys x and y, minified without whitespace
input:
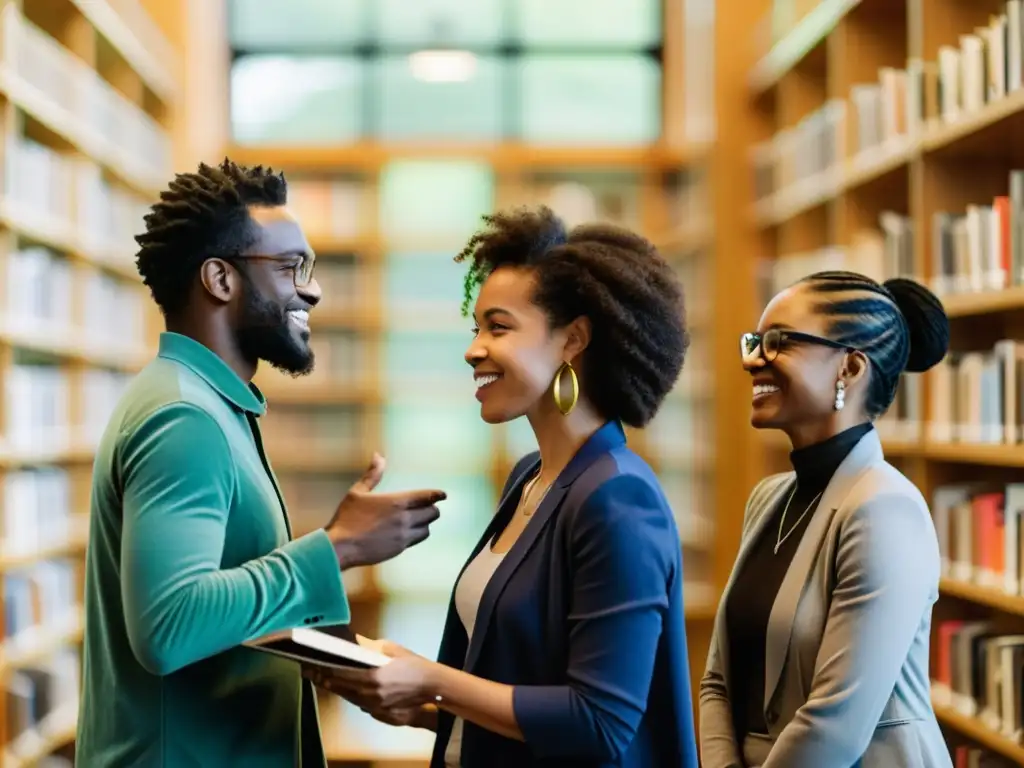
{"x":302,"y":270}
{"x":773,"y":340}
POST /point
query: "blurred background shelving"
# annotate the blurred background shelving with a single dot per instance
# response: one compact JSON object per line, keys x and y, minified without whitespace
{"x":87,"y":92}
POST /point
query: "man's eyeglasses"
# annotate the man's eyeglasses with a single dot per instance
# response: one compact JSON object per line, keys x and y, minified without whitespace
{"x":772,"y":341}
{"x":302,"y":268}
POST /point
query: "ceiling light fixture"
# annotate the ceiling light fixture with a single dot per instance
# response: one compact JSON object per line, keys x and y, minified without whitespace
{"x":442,"y":61}
{"x":442,"y":66}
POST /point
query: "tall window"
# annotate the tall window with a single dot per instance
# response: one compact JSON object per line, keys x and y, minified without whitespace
{"x":540,"y":71}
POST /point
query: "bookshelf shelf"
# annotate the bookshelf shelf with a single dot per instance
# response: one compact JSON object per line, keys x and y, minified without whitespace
{"x":982,"y":455}
{"x":67,"y":544}
{"x":984,"y":302}
{"x":915,"y":173}
{"x":129,"y":144}
{"x":993,"y":598}
{"x":37,"y":644}
{"x":993,"y":121}
{"x":977,"y":732}
{"x":821,"y":189}
{"x":53,"y":732}
{"x":808,"y":33}
{"x":127,"y":26}
{"x":370,"y":157}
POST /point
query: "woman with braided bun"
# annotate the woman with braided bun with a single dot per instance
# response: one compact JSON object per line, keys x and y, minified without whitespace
{"x":565,"y":639}
{"x":819,"y":656}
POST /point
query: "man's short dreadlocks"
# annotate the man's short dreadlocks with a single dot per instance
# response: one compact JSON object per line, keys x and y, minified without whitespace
{"x":201,"y":215}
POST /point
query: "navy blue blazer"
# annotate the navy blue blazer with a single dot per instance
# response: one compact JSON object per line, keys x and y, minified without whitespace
{"x":584,"y":617}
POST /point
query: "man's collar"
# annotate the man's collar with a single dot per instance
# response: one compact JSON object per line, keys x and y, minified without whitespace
{"x":212,"y":369}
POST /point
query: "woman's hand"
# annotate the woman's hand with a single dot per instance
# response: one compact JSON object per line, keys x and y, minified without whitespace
{"x":414,"y":717}
{"x":399,"y":688}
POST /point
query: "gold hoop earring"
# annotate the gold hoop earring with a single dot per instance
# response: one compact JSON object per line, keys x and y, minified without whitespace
{"x":566,"y":408}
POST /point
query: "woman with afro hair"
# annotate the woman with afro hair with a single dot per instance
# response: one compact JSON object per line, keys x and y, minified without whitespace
{"x":565,"y":640}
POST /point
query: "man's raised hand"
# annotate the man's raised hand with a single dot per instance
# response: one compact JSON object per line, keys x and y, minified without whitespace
{"x":369,"y":528}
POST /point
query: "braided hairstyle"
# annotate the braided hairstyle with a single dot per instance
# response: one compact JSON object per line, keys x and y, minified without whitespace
{"x":899,"y":325}
{"x":198,"y":216}
{"x":611,"y":275}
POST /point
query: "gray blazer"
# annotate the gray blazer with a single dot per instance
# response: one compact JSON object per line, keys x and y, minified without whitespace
{"x":846,"y":667}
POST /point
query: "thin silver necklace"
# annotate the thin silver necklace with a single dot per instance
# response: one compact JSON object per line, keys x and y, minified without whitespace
{"x":779,"y":538}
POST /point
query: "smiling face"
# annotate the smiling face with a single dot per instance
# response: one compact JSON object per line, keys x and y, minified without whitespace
{"x":273,"y":317}
{"x":514,"y":353}
{"x":797,"y":389}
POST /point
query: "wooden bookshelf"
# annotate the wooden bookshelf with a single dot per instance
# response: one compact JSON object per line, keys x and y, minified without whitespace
{"x":858,"y":79}
{"x":87,"y":93}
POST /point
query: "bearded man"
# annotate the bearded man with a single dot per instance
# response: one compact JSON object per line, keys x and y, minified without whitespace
{"x":190,"y":551}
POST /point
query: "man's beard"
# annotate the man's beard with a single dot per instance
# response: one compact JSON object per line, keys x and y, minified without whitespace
{"x":265,"y":333}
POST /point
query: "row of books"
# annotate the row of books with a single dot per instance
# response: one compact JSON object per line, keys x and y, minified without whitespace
{"x":978,"y":250}
{"x":985,"y":67}
{"x":113,"y":314}
{"x":107,"y":217}
{"x":881,"y":254}
{"x":100,"y":392}
{"x":696,"y":381}
{"x":42,"y":701}
{"x":673,"y":434}
{"x":116,"y":130}
{"x":37,"y":416}
{"x":37,"y":510}
{"x":329,"y":208}
{"x":344,"y":286}
{"x":902,"y":422}
{"x":39,"y":599}
{"x":982,"y":248}
{"x":320,"y":430}
{"x":976,"y":396}
{"x":874,"y":119}
{"x":695,"y":275}
{"x":981,"y":534}
{"x":48,"y":297}
{"x":582,"y":200}
{"x":689,"y":496}
{"x":343,"y":360}
{"x":965,"y":756}
{"x":68,"y":199}
{"x":879,"y":111}
{"x":689,"y":200}
{"x":312,"y":498}
{"x":803,"y":151}
{"x":979,"y":672}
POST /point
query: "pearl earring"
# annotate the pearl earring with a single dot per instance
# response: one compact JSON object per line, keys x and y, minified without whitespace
{"x":840,"y":395}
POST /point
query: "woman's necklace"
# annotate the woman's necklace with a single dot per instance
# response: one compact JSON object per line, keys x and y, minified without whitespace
{"x":527,"y":510}
{"x":779,"y":538}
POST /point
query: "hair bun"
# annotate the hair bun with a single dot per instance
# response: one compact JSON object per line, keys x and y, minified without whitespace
{"x":926,"y":320}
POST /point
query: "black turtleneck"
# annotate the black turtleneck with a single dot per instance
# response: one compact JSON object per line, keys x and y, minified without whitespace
{"x":757,"y":582}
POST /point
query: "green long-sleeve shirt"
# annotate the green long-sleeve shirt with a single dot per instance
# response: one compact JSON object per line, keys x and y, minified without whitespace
{"x":190,"y":554}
